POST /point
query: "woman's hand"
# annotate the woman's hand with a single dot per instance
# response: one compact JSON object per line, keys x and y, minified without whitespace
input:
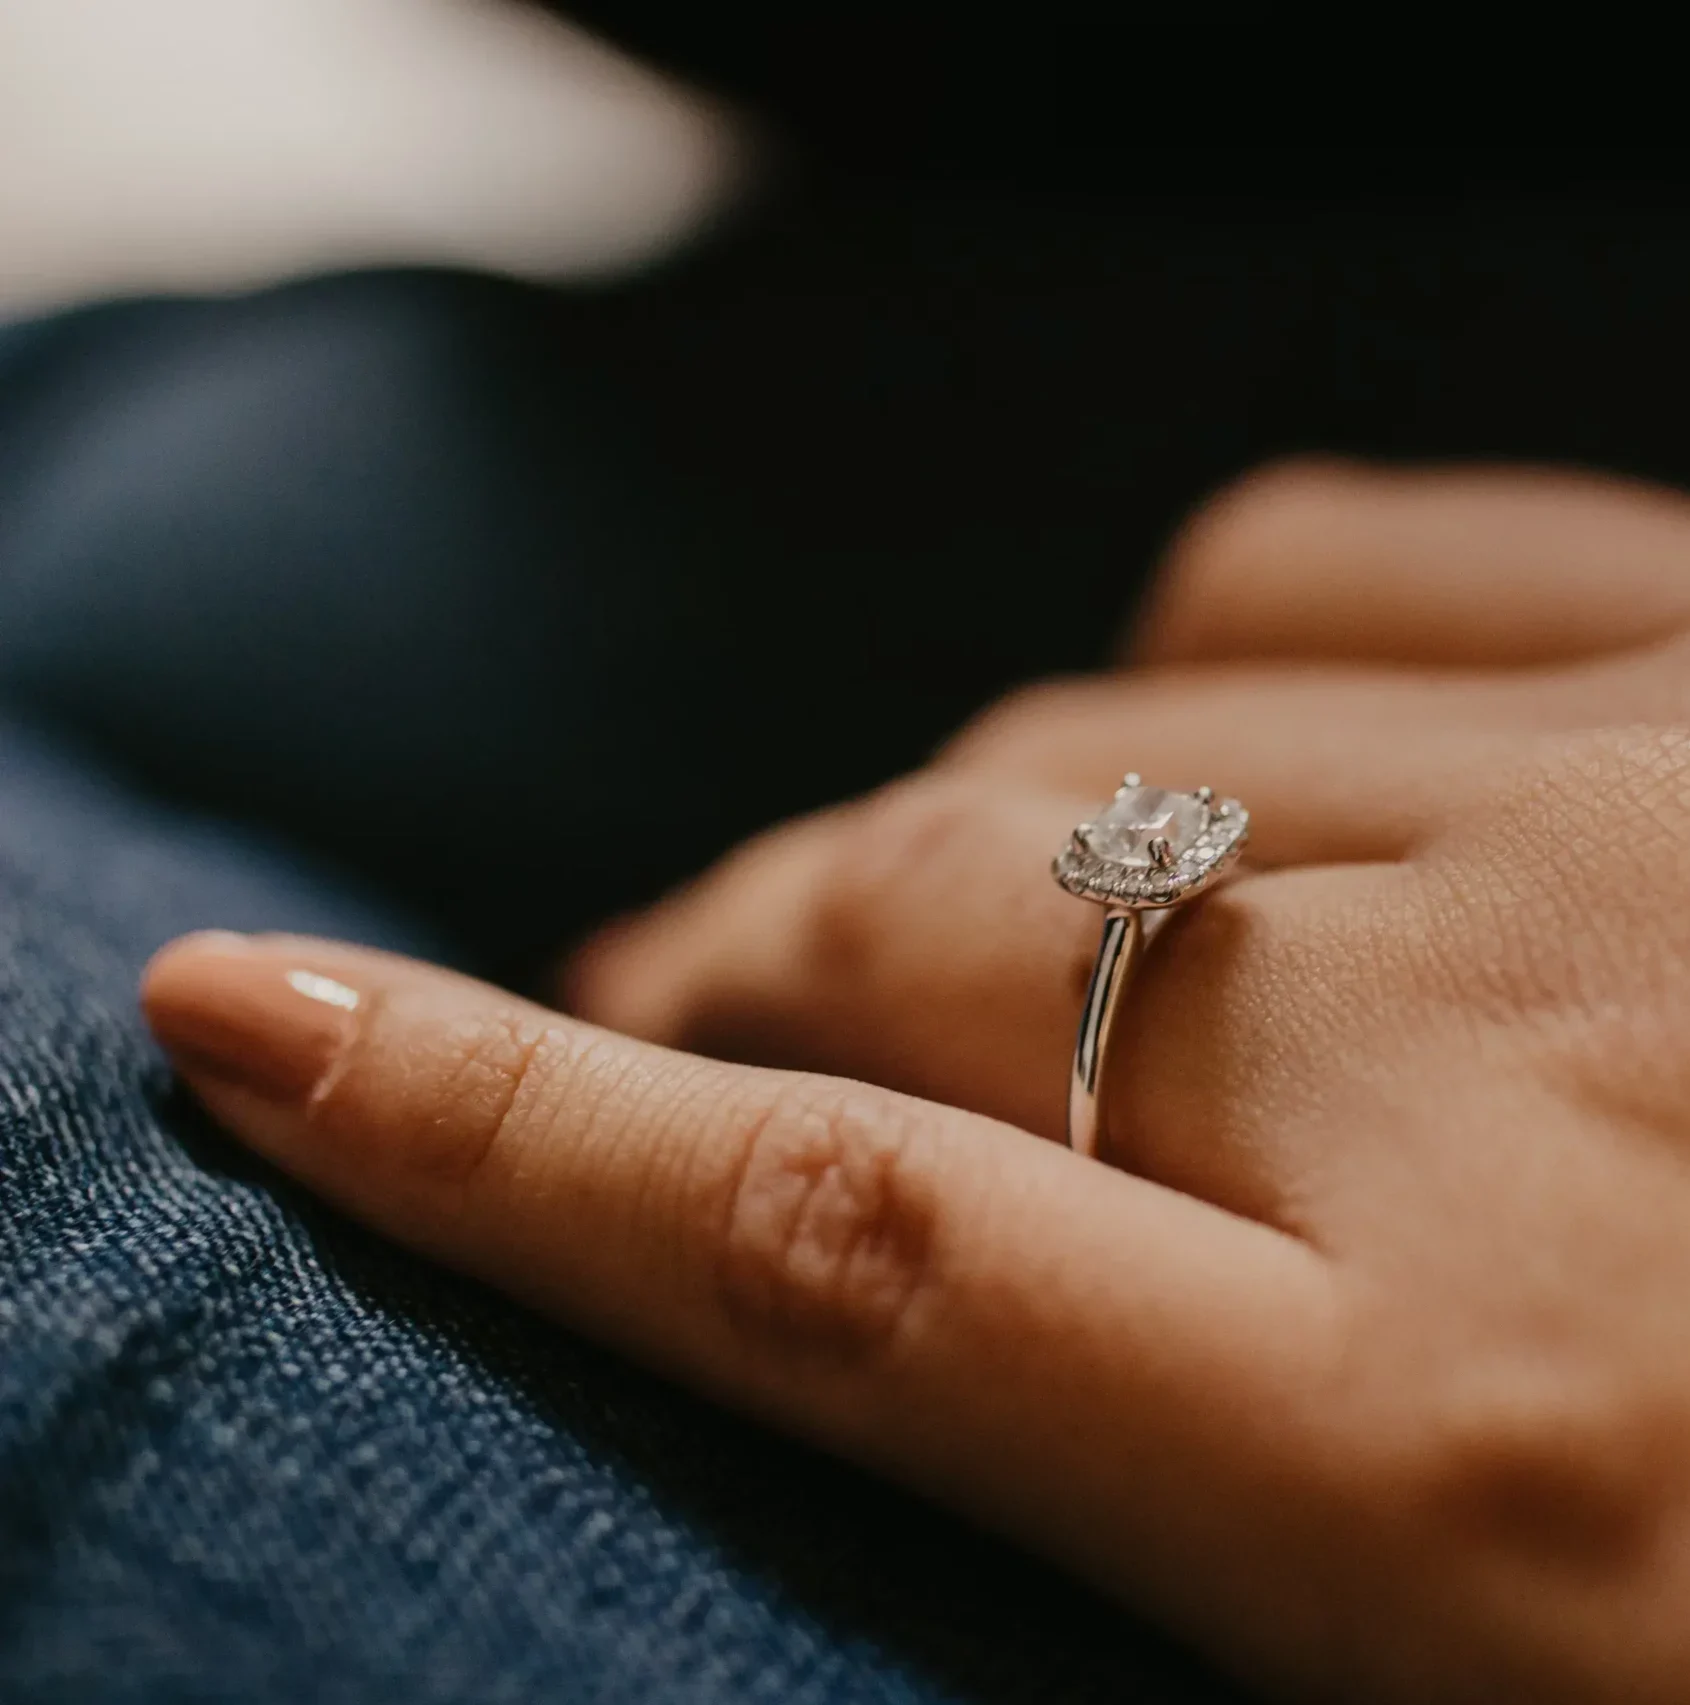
{"x":1373,"y":1373}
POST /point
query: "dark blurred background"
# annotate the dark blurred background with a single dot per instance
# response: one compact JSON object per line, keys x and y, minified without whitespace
{"x":514,"y":469}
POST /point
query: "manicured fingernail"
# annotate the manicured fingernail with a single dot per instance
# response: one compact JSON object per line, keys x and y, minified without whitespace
{"x":223,"y":940}
{"x":244,"y":1013}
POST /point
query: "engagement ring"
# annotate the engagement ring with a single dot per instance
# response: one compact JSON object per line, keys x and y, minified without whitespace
{"x":1148,"y":850}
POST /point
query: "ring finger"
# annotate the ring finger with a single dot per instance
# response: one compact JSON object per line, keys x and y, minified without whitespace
{"x":1337,"y":765}
{"x":916,"y":941}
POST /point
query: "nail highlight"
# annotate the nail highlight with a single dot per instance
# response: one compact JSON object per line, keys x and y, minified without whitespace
{"x":325,"y":989}
{"x":247,"y":1018}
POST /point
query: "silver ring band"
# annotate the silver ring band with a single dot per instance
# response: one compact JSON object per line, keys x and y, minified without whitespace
{"x":1147,"y":851}
{"x":1117,"y":959}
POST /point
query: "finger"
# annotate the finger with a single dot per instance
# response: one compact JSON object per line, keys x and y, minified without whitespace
{"x":1062,"y":1351}
{"x":914,"y":940}
{"x":1436,"y":566}
{"x":917,"y":941}
{"x":1336,"y":764}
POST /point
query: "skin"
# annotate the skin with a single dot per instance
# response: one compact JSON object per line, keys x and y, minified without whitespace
{"x":1366,"y":1367}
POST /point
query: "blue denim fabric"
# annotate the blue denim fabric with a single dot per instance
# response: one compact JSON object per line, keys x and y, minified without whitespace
{"x":249,"y":1452}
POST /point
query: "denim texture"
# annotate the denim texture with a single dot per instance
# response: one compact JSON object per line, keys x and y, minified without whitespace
{"x":249,"y":1452}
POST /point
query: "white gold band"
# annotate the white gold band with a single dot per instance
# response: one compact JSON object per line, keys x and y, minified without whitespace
{"x":1148,"y":851}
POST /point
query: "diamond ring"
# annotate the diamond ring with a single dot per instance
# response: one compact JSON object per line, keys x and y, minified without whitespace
{"x":1148,"y":850}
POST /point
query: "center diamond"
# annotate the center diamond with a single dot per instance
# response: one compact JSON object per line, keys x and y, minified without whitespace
{"x":1139,"y":815}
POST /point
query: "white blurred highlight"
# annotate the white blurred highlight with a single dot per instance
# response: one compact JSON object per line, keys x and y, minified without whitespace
{"x":209,"y":144}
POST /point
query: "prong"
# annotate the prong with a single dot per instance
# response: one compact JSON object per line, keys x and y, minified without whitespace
{"x":1131,"y":779}
{"x":1205,"y":795}
{"x":1161,"y":854}
{"x":1077,"y":840}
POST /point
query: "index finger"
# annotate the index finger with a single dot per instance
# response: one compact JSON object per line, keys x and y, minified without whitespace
{"x":1101,"y":1366}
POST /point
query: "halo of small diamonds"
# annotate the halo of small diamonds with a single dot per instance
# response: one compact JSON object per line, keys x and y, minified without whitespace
{"x":1185,"y":868}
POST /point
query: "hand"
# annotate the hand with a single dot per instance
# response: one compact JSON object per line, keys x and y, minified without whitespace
{"x":1371,"y":1375}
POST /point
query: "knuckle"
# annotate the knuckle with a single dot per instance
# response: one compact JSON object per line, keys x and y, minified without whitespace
{"x":448,"y":1105}
{"x":483,"y":1098}
{"x":1270,"y":509}
{"x":829,"y":1226}
{"x":1016,"y":724}
{"x":896,"y":846}
{"x":1274,"y":514}
{"x":1552,"y":1467}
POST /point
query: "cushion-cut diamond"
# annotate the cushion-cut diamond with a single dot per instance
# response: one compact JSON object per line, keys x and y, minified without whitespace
{"x":1138,"y":815}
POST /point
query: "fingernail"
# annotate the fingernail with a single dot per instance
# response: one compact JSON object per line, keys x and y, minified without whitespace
{"x":248,"y":1015}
